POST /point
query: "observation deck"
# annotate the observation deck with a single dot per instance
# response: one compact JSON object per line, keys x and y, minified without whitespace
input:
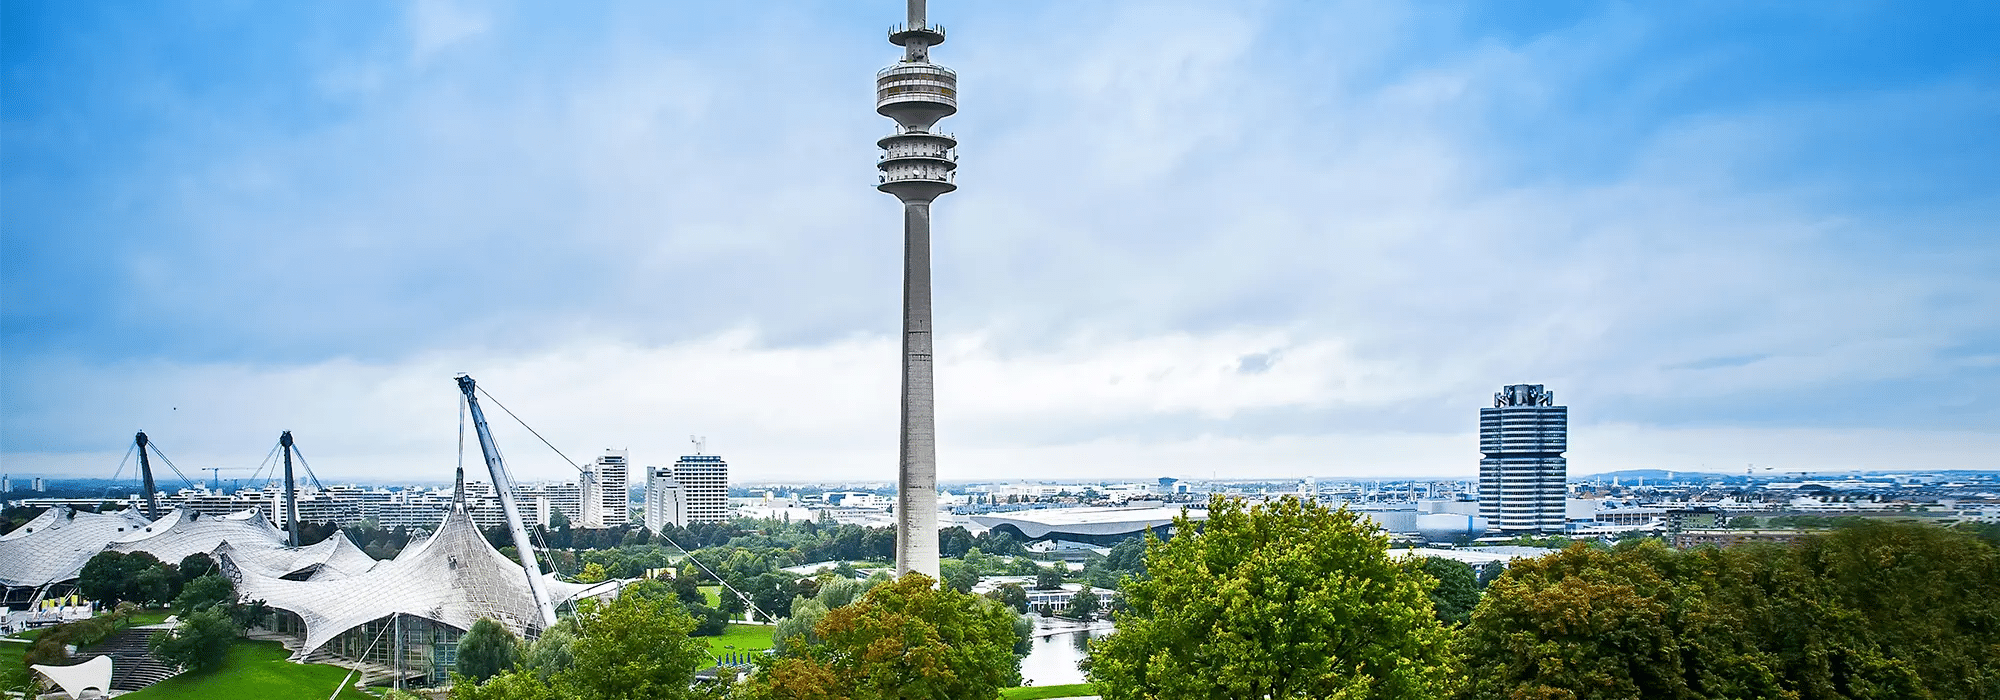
{"x":916,"y":94}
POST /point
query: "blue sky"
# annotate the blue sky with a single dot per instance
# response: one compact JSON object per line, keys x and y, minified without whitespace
{"x":1259,"y":238}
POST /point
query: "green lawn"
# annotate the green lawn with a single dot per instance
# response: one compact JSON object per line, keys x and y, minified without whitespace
{"x":11,"y":654}
{"x":151,"y":617}
{"x":1048,"y":691}
{"x":714,"y":595}
{"x":255,"y":670}
{"x":737,"y":638}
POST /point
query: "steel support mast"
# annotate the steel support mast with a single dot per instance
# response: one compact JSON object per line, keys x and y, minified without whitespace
{"x":503,"y":484}
{"x":146,"y":476}
{"x":291,"y":514}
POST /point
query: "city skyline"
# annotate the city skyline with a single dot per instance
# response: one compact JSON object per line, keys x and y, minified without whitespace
{"x":1300,"y":238}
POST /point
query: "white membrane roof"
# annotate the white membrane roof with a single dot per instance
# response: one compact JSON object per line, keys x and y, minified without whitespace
{"x":453,"y":577}
{"x":56,"y":544}
{"x":183,"y":532}
{"x":94,"y":674}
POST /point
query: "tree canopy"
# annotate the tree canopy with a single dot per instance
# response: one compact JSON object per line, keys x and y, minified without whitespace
{"x":904,"y":640}
{"x":1280,"y":600}
{"x":487,"y":649}
{"x":1867,"y":611}
{"x":635,"y":646}
{"x":1457,"y":589}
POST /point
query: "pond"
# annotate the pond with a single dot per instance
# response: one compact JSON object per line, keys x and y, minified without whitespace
{"x":1058,"y":646}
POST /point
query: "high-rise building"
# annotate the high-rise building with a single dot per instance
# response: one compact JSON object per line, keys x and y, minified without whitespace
{"x":1522,"y":475}
{"x":704,"y":488}
{"x":606,"y":503}
{"x":917,"y":163}
{"x":41,"y":484}
{"x":665,"y":502}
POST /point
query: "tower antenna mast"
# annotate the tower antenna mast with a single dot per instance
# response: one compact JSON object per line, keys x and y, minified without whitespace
{"x":917,"y":165}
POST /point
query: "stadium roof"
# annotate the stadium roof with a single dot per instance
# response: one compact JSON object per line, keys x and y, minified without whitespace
{"x":452,"y":577}
{"x":56,"y":544}
{"x":331,"y":558}
{"x":183,"y":532}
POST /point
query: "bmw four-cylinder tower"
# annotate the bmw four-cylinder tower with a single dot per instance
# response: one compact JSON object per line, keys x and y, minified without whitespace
{"x":917,"y":163}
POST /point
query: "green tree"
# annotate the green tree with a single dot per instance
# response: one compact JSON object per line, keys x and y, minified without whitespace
{"x":1048,"y":579}
{"x":194,"y":566}
{"x":799,"y":628}
{"x":957,"y":575}
{"x":110,"y":577}
{"x":156,"y":585}
{"x":204,"y":593}
{"x":841,"y":591}
{"x":1083,"y":605}
{"x":1457,"y":589}
{"x":688,"y":591}
{"x":199,"y":643}
{"x":550,"y":653}
{"x":1861,"y":611}
{"x":1127,"y":558}
{"x":1743,"y":522}
{"x":635,"y":646}
{"x":904,"y":640}
{"x":1281,"y":600}
{"x":708,"y":621}
{"x":1011,"y":595}
{"x":487,"y":649}
{"x":1584,"y":624}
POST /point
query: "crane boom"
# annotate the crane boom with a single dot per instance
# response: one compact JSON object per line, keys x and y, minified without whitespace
{"x":503,"y":484}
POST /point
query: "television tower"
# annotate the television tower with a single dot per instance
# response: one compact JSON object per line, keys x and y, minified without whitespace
{"x":917,"y":164}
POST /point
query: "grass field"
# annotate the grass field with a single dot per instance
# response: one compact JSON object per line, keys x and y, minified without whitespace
{"x":714,"y":595}
{"x":11,"y":653}
{"x":739,"y":638}
{"x":254,"y":671}
{"x":1048,"y":691}
{"x":151,"y":617}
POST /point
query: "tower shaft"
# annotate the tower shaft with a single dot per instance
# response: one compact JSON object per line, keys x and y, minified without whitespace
{"x":916,"y":478}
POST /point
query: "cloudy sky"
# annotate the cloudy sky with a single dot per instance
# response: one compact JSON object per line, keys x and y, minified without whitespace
{"x":1192,"y":239}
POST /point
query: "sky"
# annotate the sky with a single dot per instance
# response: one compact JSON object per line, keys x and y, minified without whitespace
{"x":1192,"y":239}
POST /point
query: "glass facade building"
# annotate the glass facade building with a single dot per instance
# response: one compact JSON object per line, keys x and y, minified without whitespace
{"x":1522,"y":474}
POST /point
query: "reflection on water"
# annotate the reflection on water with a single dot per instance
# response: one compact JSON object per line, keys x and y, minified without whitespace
{"x":1058,"y":646}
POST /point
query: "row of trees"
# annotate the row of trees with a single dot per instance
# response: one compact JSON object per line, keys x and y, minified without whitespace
{"x":1868,"y":611}
{"x":1289,"y":600}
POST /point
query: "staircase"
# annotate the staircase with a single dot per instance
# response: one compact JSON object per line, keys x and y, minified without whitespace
{"x":132,"y":666}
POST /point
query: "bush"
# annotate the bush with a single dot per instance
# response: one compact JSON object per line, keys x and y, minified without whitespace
{"x":200,"y":642}
{"x":48,"y":648}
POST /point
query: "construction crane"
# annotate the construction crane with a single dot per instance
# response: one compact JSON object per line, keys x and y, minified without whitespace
{"x":215,"y":474}
{"x":503,"y":484}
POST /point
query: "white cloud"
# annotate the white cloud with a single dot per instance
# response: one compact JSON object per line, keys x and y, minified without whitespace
{"x":1151,"y":195}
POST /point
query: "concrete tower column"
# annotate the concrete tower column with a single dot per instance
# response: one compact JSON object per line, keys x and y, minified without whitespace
{"x":916,"y":478}
{"x":917,"y":165}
